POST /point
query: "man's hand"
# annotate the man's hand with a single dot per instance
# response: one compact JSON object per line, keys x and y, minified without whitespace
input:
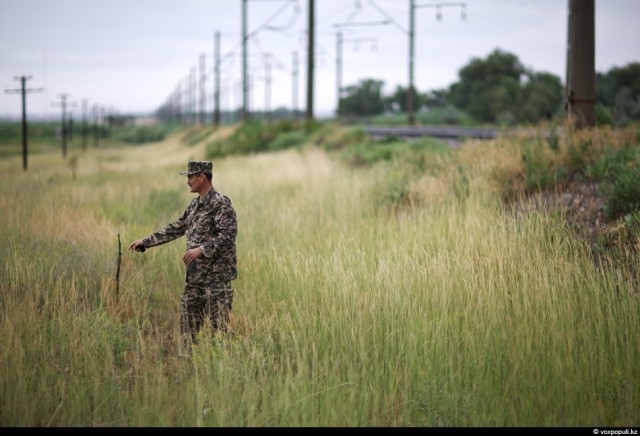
{"x":192,"y":255}
{"x":136,"y":245}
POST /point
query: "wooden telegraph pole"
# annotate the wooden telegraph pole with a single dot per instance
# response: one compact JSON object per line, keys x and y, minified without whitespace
{"x":64,"y":104}
{"x":23,"y":91}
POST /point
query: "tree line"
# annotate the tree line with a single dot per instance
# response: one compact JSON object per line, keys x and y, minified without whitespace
{"x":500,"y":90}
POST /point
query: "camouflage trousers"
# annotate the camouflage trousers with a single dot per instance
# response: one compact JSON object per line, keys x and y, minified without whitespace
{"x":202,"y":304}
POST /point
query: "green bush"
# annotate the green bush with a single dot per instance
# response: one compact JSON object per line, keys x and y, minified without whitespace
{"x":138,"y":134}
{"x":620,"y":170}
{"x":366,"y":154}
{"x":287,"y":140}
{"x":604,"y":117}
{"x":421,"y":154}
{"x":612,"y":163}
{"x":448,"y":115}
{"x":624,"y":197}
{"x":255,"y":136}
{"x":344,"y":138}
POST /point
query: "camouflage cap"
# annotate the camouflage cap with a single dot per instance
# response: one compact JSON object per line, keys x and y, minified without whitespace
{"x":198,"y":166}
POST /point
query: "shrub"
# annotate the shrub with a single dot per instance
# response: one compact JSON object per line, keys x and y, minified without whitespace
{"x":287,"y":140}
{"x":366,"y":154}
{"x":138,"y":134}
{"x":447,"y":115}
{"x":342,"y":139}
{"x":255,"y":136}
{"x":604,"y":117}
{"x":624,"y":197}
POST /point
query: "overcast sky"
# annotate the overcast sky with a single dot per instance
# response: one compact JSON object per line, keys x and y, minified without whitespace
{"x":131,"y":55}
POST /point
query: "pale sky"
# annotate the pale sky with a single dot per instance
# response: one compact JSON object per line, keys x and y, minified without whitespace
{"x":131,"y":55}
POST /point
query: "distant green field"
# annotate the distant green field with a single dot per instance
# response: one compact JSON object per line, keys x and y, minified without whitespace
{"x":42,"y":136}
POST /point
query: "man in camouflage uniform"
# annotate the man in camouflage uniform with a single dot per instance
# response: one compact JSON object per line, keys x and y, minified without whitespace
{"x":210,"y":224}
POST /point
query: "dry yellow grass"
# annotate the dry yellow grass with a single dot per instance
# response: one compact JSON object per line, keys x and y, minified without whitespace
{"x":345,"y":313}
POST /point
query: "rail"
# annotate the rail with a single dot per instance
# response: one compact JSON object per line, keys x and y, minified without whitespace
{"x":436,"y":132}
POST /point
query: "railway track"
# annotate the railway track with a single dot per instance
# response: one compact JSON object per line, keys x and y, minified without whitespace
{"x":452,"y":133}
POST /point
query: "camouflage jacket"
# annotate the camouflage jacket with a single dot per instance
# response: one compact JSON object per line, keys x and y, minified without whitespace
{"x":209,"y":223}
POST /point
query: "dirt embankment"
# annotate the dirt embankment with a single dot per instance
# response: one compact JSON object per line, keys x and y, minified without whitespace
{"x":580,"y":203}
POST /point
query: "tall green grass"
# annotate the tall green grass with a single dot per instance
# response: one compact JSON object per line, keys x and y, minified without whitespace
{"x":347,"y":311}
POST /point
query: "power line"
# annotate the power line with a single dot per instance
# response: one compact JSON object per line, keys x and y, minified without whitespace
{"x":296,"y":13}
{"x":245,"y":37}
{"x":379,"y":9}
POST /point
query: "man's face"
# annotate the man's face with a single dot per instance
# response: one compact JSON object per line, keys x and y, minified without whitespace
{"x":195,"y":181}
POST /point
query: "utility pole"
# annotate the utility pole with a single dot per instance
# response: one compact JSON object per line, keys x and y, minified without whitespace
{"x":411,"y":92}
{"x":267,"y":89}
{"x":245,"y":109}
{"x":186,"y":99}
{"x":70,"y":127}
{"x":580,"y":88}
{"x":193,"y":92}
{"x":294,"y":90}
{"x":105,"y":122}
{"x":338,"y":71}
{"x":23,"y":91}
{"x":250,"y":94}
{"x":179,"y":102}
{"x":85,"y":130}
{"x":96,"y":126}
{"x":310,"y":59}
{"x":63,"y":104}
{"x":216,"y":89}
{"x":339,"y":43}
{"x":411,"y":118}
{"x":203,"y":95}
{"x":186,"y":84}
{"x":237,"y":99}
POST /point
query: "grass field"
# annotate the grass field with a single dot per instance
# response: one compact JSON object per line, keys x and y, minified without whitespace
{"x":347,"y":312}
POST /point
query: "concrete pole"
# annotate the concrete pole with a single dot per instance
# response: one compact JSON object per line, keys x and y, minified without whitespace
{"x":310,"y":60}
{"x":581,"y":89}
